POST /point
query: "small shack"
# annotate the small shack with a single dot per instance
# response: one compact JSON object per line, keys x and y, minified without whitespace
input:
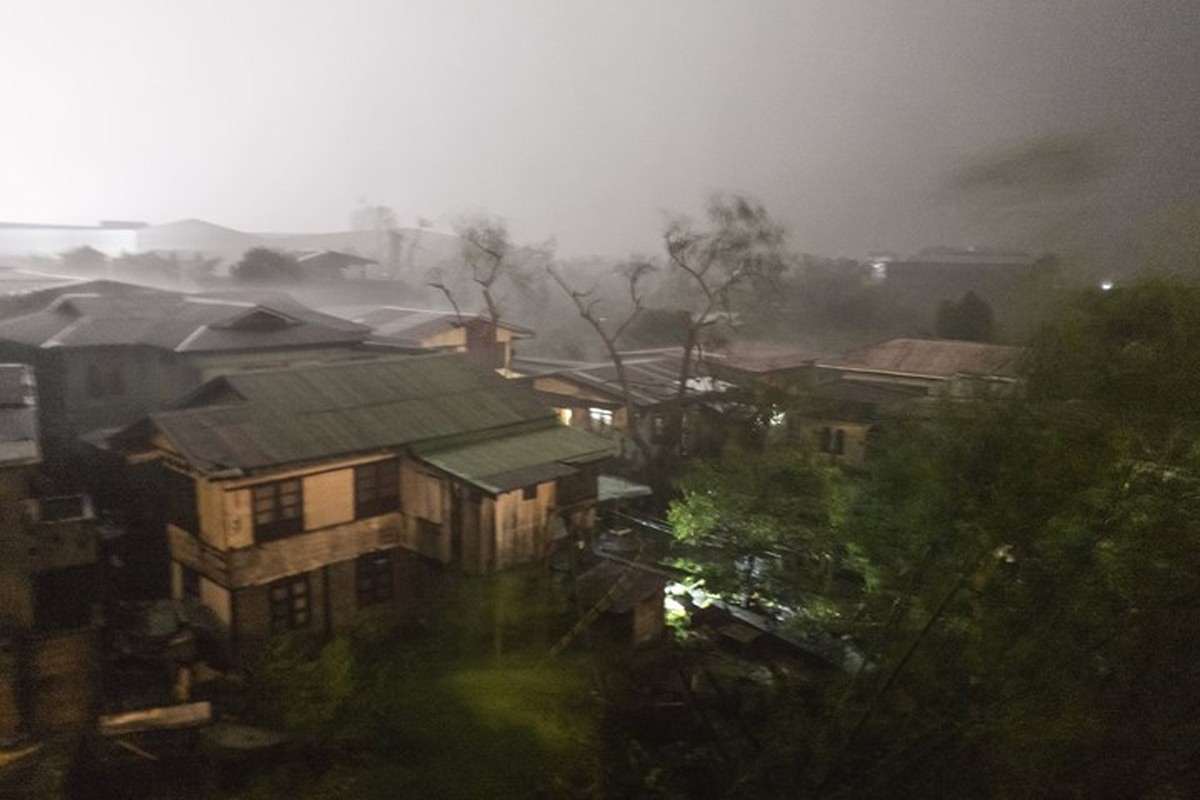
{"x":629,"y":596}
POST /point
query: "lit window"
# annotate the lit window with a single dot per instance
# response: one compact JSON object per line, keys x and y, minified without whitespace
{"x":600,"y":418}
{"x":277,"y":510}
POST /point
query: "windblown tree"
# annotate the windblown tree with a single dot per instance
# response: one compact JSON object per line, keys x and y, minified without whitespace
{"x":1028,"y":599}
{"x":490,"y":265}
{"x":593,"y":310}
{"x":1032,"y":585}
{"x":737,"y":256}
{"x":262,"y":265}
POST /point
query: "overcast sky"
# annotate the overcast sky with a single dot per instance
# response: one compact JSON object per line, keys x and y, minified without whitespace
{"x":580,"y":120}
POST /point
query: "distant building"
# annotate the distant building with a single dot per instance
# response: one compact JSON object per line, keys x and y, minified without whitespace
{"x":1003,"y":279}
{"x":485,"y":343}
{"x":107,"y":353}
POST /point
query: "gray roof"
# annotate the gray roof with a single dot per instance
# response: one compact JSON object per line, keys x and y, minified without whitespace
{"x":653,"y":378}
{"x":120,"y":314}
{"x":416,"y":324}
{"x":264,"y":418}
{"x":932,"y":358}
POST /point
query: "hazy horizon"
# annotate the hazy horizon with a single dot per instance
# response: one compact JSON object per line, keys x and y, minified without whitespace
{"x":587,"y":122}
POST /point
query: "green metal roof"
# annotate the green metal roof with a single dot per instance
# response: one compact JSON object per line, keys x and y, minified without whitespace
{"x":504,"y":463}
{"x":281,"y":416}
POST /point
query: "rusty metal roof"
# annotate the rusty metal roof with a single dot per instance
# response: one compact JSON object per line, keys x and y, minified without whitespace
{"x":932,"y":358}
{"x":264,"y":418}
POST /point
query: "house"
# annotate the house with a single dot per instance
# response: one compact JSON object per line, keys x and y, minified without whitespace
{"x":484,"y":342}
{"x":852,"y":395}
{"x":49,"y":580}
{"x":938,"y":367}
{"x":1005,"y":280}
{"x":332,"y":265}
{"x":107,"y":353}
{"x":591,"y":397}
{"x":301,"y":497}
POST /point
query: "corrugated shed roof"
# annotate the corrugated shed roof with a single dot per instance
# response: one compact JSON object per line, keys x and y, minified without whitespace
{"x":652,"y":380}
{"x":525,"y":458}
{"x":322,"y":411}
{"x":933,"y":358}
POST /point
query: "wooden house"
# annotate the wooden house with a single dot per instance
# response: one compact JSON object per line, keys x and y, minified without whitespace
{"x":487,"y":342}
{"x":49,"y":581}
{"x":590,"y":396}
{"x":301,"y":497}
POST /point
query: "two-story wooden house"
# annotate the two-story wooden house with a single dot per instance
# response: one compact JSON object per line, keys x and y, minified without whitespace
{"x":299,"y":497}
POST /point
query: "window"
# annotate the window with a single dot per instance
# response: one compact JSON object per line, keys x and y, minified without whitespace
{"x":529,"y":492}
{"x":376,"y":489}
{"x":278,"y":510}
{"x":181,"y":501}
{"x":833,"y":441}
{"x":658,"y":428}
{"x":600,"y":419}
{"x":290,"y":606}
{"x":189,"y":582}
{"x":373,"y":578}
{"x":105,"y":380}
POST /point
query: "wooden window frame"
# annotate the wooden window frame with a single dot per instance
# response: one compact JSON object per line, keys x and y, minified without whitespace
{"x":290,"y":602}
{"x":181,"y":500}
{"x":278,"y":509}
{"x":374,"y":580}
{"x":376,"y":488}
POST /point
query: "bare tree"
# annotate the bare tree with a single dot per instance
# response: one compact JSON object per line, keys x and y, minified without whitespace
{"x":740,"y":252}
{"x":589,"y":308}
{"x":489,"y":263}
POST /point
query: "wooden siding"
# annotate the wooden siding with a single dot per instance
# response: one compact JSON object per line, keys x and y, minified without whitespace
{"x":263,"y":563}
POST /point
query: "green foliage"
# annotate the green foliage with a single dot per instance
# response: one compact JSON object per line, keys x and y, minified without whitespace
{"x":1130,"y":352}
{"x":767,"y":524}
{"x":469,"y":709}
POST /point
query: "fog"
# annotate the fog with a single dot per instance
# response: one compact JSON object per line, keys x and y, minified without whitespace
{"x":588,"y":121}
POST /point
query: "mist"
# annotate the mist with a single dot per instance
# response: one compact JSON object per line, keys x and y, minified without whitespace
{"x":588,"y":123}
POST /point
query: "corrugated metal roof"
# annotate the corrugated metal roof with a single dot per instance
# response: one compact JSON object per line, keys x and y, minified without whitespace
{"x":525,"y":458}
{"x":933,"y":358}
{"x":417,"y":324}
{"x":322,"y":411}
{"x":175,"y":321}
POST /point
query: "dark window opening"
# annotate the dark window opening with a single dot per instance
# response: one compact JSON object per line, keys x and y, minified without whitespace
{"x":529,"y":492}
{"x":278,"y":510}
{"x":190,"y":580}
{"x":181,"y":501}
{"x":373,"y":578}
{"x":376,"y":489}
{"x":833,"y":441}
{"x":429,"y":535}
{"x":290,"y":603}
